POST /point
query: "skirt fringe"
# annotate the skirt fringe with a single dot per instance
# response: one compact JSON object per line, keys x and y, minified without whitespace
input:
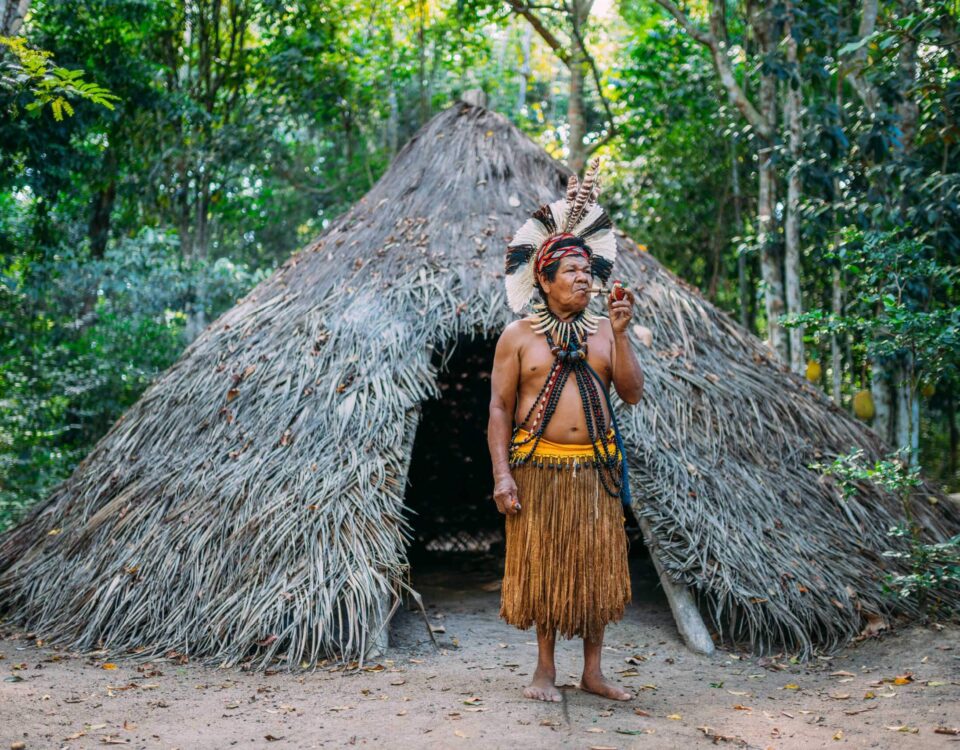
{"x":566,"y":562}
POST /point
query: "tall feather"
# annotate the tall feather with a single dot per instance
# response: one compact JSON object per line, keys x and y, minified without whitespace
{"x":572,"y":185}
{"x":583,"y":195}
{"x":595,"y":195}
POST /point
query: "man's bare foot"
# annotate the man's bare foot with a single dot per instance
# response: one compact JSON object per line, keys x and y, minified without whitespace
{"x":599,"y":685}
{"x":542,"y":687}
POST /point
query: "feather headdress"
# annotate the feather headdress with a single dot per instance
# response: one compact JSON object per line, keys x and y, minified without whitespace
{"x":576,"y":221}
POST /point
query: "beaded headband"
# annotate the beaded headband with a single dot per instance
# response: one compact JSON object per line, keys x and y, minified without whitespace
{"x":575,"y":224}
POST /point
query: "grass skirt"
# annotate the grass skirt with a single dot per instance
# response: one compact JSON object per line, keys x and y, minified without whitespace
{"x":566,"y":560}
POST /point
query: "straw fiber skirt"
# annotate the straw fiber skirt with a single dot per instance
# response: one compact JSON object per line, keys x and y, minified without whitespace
{"x":566,"y":560}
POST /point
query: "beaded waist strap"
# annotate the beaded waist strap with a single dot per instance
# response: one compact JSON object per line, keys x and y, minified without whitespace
{"x":561,"y":455}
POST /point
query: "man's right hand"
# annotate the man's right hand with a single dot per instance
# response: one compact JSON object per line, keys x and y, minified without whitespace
{"x":505,"y":496}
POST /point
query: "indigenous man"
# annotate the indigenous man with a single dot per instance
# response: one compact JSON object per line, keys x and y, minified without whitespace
{"x":557,"y":462}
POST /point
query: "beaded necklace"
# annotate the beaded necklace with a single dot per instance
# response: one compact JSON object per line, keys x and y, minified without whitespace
{"x":570,"y":356}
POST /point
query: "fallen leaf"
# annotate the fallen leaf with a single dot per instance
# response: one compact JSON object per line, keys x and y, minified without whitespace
{"x":903,"y":728}
{"x":738,"y":692}
{"x":791,"y":686}
{"x":838,"y":735}
{"x":109,"y":665}
{"x":842,"y":674}
{"x":840,"y":696}
{"x":109,"y":740}
{"x":740,"y":707}
{"x":472,"y":701}
{"x":675,"y":717}
{"x":398,"y":681}
{"x":459,"y":733}
{"x":268,"y":640}
{"x":640,"y":712}
{"x":869,"y":695}
{"x":903,"y":679}
{"x":947,"y":730}
{"x":856,"y":711}
{"x":75,"y":736}
{"x":437,"y":629}
{"x":597,"y":730}
{"x":271,"y":738}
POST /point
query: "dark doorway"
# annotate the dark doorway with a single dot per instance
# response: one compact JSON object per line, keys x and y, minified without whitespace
{"x":450,"y":489}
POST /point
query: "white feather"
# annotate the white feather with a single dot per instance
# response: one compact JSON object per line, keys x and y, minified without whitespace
{"x":520,"y":287}
{"x":604,"y":244}
{"x":531,"y":233}
{"x":559,"y":211}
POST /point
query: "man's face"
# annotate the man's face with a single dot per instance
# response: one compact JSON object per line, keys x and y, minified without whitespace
{"x":570,"y":288}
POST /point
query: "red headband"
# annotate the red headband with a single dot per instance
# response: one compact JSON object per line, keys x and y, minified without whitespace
{"x":548,"y":255}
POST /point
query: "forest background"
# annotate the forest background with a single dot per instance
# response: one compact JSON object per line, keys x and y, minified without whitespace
{"x":796,"y":161}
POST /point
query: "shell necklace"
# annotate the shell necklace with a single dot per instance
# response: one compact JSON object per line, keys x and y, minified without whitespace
{"x":564,"y":332}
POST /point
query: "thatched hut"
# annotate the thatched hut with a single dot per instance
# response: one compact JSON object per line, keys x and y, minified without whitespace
{"x":252,"y":502}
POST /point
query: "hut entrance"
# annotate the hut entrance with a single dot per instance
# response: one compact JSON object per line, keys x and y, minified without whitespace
{"x":456,"y":528}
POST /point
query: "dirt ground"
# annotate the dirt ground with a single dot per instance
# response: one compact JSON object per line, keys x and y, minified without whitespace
{"x":467,"y":693}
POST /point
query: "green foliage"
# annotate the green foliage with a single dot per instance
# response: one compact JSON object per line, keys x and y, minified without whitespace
{"x":932,"y":574}
{"x":50,"y":84}
{"x":80,"y":339}
{"x":901,"y":302}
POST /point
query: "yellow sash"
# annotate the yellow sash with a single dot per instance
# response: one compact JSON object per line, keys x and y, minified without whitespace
{"x":562,"y":451}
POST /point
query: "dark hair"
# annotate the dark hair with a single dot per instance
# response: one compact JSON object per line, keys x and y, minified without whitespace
{"x":550,"y":271}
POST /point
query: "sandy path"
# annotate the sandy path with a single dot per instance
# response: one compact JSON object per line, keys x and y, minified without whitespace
{"x":468,"y":693}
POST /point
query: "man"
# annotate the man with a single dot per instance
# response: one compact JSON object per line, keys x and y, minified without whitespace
{"x":558,"y":468}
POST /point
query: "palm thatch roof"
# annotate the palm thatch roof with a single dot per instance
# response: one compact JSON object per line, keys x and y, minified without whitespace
{"x":257,"y":487}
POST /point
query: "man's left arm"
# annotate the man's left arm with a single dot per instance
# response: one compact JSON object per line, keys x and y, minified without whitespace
{"x":627,"y":375}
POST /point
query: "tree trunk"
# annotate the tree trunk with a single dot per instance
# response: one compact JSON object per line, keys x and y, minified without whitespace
{"x":393,"y":123}
{"x":101,"y":208}
{"x":742,"y":283}
{"x":576,"y":103}
{"x":954,"y":437}
{"x":836,"y":351}
{"x":766,"y":201}
{"x":576,"y":118}
{"x":523,"y":80}
{"x":903,"y":408}
{"x":422,"y":49}
{"x":792,"y":269}
{"x":880,"y":389}
{"x":12,"y":13}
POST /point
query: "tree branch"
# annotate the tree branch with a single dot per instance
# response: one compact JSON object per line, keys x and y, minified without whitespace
{"x":548,"y":36}
{"x":853,"y":68}
{"x":596,"y":79}
{"x":712,"y":40}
